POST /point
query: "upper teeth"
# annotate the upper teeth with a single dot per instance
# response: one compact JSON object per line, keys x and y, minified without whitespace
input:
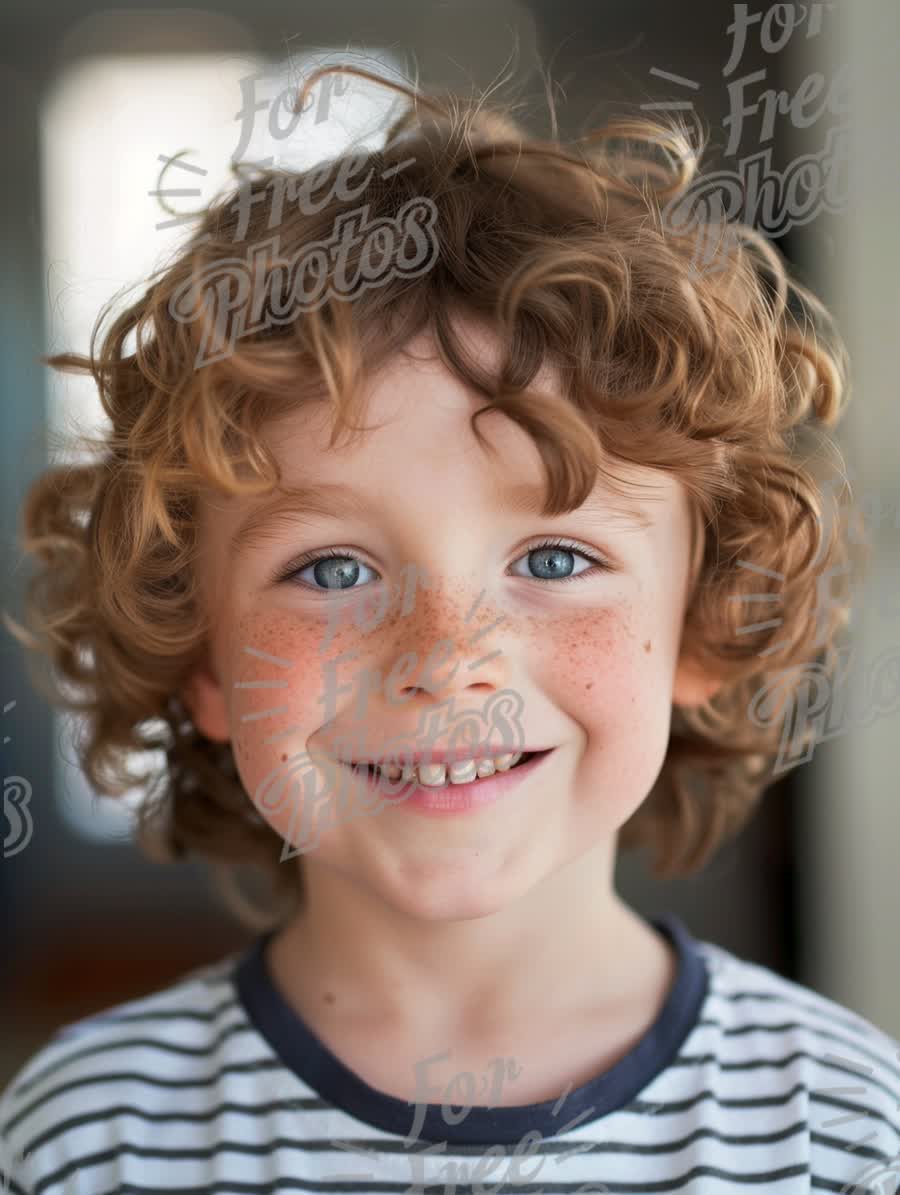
{"x":463,"y":772}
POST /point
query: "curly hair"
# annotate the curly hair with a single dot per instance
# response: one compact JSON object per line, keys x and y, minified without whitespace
{"x":570,"y":253}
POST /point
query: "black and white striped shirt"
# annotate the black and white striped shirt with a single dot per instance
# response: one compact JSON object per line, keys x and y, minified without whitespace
{"x":745,"y":1082}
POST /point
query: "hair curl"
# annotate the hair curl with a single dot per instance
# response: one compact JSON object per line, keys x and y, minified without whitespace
{"x":568,"y":252}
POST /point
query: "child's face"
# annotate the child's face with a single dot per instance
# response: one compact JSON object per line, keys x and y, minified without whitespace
{"x":594,"y":660}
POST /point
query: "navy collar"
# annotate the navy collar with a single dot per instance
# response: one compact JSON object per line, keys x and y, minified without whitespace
{"x":312,"y":1062}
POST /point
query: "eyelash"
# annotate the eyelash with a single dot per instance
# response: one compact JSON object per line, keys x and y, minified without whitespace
{"x":600,"y":564}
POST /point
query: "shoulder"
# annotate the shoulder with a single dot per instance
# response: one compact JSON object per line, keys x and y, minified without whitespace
{"x":72,"y":1098}
{"x":830,"y":1065}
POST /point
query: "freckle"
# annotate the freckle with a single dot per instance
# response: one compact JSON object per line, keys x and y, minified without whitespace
{"x":284,"y":759}
{"x":647,"y":645}
{"x":328,"y":997}
{"x":589,"y":685}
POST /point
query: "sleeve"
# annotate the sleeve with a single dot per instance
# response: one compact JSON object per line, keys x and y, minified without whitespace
{"x":16,"y":1167}
{"x":857,"y":1137}
{"x":14,"y":1179}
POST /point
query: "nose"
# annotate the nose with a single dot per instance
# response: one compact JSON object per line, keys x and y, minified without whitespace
{"x":456,"y":679}
{"x":440,"y":676}
{"x":451,"y":656}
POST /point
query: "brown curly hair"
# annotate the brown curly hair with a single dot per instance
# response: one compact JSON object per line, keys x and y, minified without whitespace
{"x":569,"y":253}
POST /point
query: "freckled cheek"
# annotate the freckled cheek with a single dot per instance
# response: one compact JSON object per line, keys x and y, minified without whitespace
{"x":609,"y":674}
{"x":605,"y":671}
{"x":579,"y":655}
{"x":275,"y":680}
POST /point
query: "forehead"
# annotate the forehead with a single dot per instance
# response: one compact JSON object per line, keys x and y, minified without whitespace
{"x":417,"y":449}
{"x":411,"y":399}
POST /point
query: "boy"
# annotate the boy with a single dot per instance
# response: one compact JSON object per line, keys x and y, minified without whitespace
{"x":494,"y":650}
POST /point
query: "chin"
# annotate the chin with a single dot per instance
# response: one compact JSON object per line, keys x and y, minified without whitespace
{"x":450,"y":893}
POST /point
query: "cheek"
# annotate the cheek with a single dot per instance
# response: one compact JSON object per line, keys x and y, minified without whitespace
{"x":610,"y":672}
{"x":285,"y":684}
{"x":605,"y":663}
{"x":275,"y":686}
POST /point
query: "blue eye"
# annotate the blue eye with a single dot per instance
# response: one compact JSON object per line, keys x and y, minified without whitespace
{"x":554,"y":560}
{"x":331,"y":571}
{"x":336,"y":571}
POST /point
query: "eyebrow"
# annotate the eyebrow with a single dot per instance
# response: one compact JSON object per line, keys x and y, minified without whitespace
{"x":335,"y":500}
{"x":326,"y":500}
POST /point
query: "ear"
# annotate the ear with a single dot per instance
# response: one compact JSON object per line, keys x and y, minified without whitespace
{"x":204,"y":698}
{"x":693,"y":685}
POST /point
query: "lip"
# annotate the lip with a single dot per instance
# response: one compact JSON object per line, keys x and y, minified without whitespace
{"x":450,"y":799}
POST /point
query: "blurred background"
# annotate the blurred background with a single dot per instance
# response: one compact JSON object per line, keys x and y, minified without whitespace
{"x":97,"y":98}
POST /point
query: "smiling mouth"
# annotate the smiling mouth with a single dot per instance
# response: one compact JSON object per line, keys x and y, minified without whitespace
{"x":438,"y":777}
{"x":444,"y":798}
{"x":375,"y":771}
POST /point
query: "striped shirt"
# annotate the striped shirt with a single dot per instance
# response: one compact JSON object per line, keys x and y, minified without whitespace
{"x":744,"y":1082}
